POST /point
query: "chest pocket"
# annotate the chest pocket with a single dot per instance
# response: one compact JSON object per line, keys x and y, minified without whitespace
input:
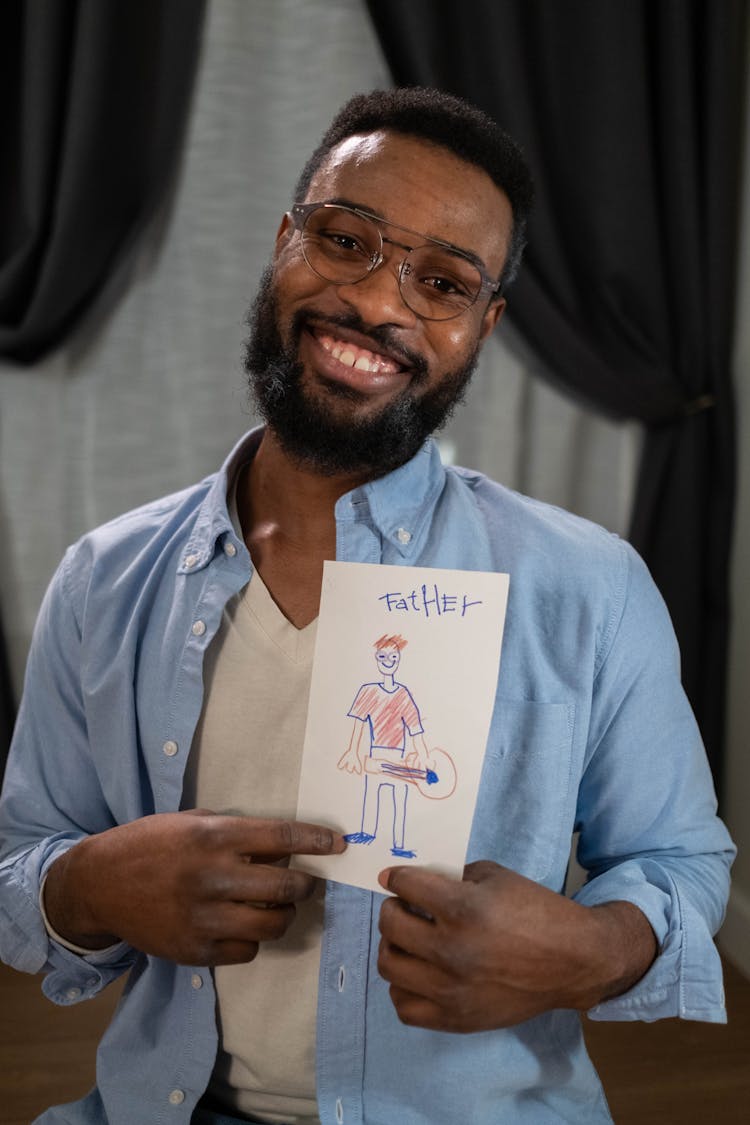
{"x":524,"y":811}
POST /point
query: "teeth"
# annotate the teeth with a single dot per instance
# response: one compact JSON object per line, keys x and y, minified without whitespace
{"x":360,"y":359}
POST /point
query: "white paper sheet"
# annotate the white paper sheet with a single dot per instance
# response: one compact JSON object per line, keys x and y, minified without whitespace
{"x":403,"y":685}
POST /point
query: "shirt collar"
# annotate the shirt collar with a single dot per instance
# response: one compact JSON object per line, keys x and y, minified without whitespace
{"x":399,"y":504}
{"x":214,"y":520}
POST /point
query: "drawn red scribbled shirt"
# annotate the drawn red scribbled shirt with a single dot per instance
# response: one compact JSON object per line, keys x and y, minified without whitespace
{"x":390,"y":715}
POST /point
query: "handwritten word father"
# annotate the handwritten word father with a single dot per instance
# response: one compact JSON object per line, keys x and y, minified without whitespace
{"x":428,"y":600}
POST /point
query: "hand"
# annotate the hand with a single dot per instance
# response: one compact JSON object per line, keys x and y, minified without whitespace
{"x":350,"y":761}
{"x":191,"y":887}
{"x":496,"y":949}
{"x":417,"y":760}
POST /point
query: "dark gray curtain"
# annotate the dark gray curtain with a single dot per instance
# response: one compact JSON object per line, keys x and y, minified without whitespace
{"x":630,"y":117}
{"x":93,"y":100}
{"x":94,"y":97}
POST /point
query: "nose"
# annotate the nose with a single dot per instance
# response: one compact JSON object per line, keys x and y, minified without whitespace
{"x":377,"y":297}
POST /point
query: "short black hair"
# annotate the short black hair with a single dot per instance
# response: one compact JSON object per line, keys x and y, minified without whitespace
{"x":441,"y":119}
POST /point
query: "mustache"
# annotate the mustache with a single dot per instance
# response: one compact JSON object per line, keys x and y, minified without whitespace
{"x":383,"y":338}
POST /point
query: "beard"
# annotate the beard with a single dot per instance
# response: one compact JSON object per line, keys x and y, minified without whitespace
{"x":315,"y":434}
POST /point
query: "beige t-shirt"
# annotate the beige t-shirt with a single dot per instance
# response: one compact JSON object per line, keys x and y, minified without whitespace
{"x":245,"y":760}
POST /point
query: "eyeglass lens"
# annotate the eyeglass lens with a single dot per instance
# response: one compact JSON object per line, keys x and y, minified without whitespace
{"x":343,"y":247}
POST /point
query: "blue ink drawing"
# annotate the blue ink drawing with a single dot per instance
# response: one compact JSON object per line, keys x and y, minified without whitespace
{"x":387,"y":711}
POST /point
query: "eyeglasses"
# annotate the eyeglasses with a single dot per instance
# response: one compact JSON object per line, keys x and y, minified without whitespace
{"x":344,"y":244}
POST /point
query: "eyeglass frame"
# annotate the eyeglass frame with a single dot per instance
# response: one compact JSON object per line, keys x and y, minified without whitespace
{"x":300,"y":212}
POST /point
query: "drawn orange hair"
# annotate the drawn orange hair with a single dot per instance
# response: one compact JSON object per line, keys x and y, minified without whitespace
{"x":391,"y":640}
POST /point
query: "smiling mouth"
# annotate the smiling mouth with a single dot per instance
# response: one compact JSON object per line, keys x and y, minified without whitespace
{"x":360,"y":359}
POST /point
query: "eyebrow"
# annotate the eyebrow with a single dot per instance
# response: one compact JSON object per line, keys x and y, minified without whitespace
{"x":342,"y":201}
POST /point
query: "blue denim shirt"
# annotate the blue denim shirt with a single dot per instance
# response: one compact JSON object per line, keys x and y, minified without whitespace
{"x":591,"y":732}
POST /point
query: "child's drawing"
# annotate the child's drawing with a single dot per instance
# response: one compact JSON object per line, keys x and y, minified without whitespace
{"x":385,"y":715}
{"x":371,"y":766}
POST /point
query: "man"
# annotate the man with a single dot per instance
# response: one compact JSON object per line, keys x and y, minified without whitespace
{"x":449,"y":1000}
{"x":388,"y":709}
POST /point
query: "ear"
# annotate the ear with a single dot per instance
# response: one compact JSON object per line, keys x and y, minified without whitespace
{"x":491,"y":318}
{"x":284,"y":233}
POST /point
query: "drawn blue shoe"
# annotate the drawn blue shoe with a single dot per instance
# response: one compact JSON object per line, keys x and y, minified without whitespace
{"x":402,"y":853}
{"x":359,"y":838}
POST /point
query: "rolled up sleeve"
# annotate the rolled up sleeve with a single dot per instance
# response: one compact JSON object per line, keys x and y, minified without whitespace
{"x":649,"y":833}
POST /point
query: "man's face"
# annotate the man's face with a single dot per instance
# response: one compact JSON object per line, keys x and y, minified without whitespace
{"x":349,"y":379}
{"x":387,"y":659}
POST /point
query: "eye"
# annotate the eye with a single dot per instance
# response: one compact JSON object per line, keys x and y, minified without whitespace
{"x":346,"y":242}
{"x":340,"y":234}
{"x":444,"y":286}
{"x":443,"y":277}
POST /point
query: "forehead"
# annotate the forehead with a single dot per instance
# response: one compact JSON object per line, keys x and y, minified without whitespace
{"x":421,"y":186}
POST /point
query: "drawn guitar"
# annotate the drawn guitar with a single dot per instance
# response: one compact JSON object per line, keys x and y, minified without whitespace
{"x":437,"y":780}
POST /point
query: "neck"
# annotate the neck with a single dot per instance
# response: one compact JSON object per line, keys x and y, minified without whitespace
{"x":279,"y":494}
{"x":287,"y":517}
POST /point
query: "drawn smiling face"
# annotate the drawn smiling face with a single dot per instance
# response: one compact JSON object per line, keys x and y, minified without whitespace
{"x":387,"y":659}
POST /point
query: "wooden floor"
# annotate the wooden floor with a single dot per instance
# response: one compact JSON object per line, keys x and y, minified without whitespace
{"x":667,"y":1073}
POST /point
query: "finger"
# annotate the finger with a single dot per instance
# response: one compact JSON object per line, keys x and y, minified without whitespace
{"x":246,"y":922}
{"x":261,"y":883}
{"x":252,"y":836}
{"x":424,"y":994}
{"x":414,"y":974}
{"x":416,"y":1011}
{"x":233,"y":952}
{"x":258,"y":923}
{"x":419,"y":1011}
{"x":426,"y":891}
{"x":399,"y":924}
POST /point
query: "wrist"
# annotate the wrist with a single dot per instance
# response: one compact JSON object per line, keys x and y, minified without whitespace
{"x":624,"y":947}
{"x":68,"y":900}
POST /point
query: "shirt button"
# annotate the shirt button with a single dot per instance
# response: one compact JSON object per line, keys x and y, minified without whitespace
{"x":403,"y":536}
{"x":196,"y":980}
{"x":72,"y":993}
{"x":199,"y":628}
{"x":230,"y":549}
{"x":177,"y":1097}
{"x":170,"y":748}
{"x":191,"y":560}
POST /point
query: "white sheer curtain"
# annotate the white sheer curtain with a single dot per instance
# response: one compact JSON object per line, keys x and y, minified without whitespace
{"x":150,"y":395}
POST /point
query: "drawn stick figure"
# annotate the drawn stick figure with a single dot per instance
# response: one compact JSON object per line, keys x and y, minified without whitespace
{"x":387,"y":711}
